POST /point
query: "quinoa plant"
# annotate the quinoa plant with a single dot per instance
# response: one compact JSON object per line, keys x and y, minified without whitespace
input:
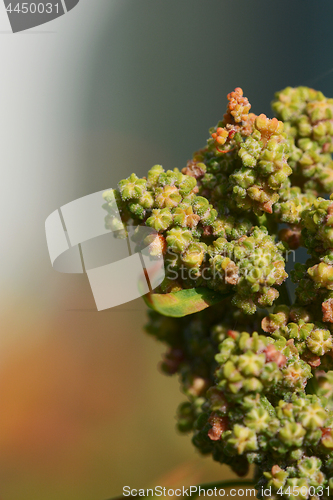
{"x":256,"y":368}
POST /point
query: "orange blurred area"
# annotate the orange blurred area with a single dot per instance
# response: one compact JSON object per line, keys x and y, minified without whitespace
{"x":84,"y":409}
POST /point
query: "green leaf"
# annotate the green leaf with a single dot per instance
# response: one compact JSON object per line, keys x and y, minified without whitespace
{"x":184,"y":302}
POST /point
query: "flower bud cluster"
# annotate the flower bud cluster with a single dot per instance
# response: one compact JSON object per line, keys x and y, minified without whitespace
{"x":259,"y":385}
{"x":308,"y":478}
{"x":237,"y":120}
{"x":317,"y":222}
{"x":292,"y":204}
{"x":258,"y":378}
{"x":252,"y":264}
{"x":264,"y":169}
{"x":253,"y":167}
{"x":201,"y":248}
{"x":315,"y":277}
{"x":256,"y":398}
{"x":312,"y":340}
{"x":308,"y":116}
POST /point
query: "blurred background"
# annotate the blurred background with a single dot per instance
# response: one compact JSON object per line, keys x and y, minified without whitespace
{"x":112,"y":87}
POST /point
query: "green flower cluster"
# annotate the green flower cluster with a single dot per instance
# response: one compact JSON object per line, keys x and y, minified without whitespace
{"x":201,"y":246}
{"x":256,"y":398}
{"x":317,"y":222}
{"x":248,"y":175}
{"x":258,"y":382}
{"x":292,"y":204}
{"x":308,"y":117}
{"x":253,"y":264}
{"x":315,"y":277}
{"x":264,"y":169}
{"x":304,"y":480}
{"x":312,"y":340}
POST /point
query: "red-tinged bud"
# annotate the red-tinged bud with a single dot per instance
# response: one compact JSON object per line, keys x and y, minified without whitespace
{"x":219,"y":425}
{"x":272,"y":354}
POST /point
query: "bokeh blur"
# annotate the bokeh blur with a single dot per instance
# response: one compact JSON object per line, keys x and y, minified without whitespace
{"x":113,"y":87}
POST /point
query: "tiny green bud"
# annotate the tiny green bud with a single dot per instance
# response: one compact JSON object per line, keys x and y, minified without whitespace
{"x":178,"y":239}
{"x":160,"y":220}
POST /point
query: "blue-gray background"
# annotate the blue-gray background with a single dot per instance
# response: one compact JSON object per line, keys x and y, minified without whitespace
{"x":164,"y":68}
{"x":112,"y":87}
